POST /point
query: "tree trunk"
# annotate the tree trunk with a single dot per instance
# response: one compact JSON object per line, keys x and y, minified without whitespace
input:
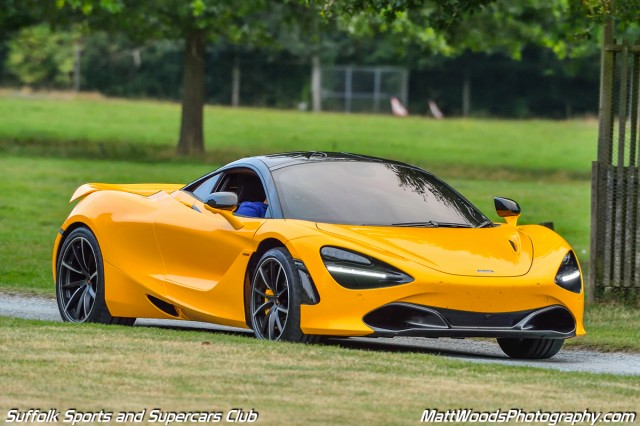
{"x":191,"y":127}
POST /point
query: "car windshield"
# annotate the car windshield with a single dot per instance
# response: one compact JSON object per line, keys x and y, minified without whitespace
{"x":371,"y":193}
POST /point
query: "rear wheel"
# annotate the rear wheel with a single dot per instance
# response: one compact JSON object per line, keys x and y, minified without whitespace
{"x":80,"y":281}
{"x":274,"y":302}
{"x":530,"y":348}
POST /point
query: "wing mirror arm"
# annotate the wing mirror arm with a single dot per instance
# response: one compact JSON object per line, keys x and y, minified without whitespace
{"x":508,"y":209}
{"x":223,"y":203}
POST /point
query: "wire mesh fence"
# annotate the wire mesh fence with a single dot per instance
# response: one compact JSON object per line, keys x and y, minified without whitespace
{"x":363,"y":89}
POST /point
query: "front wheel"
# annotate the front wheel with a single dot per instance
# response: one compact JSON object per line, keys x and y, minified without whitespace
{"x":539,"y":348}
{"x":80,"y":281}
{"x":274,"y":302}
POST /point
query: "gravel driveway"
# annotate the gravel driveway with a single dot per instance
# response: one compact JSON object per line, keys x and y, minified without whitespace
{"x":482,"y":351}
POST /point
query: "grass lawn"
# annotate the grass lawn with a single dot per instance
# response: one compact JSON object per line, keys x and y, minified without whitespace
{"x":114,"y":368}
{"x":610,"y":327}
{"x":35,"y":199}
{"x":40,"y":189}
{"x":50,"y":147}
{"x":484,"y":147}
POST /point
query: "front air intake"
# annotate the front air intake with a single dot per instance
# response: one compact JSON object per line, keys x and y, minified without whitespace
{"x":554,"y":318}
{"x":398,"y":317}
{"x":429,"y":321}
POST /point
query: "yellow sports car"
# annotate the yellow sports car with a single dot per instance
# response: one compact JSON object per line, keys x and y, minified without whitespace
{"x":301,"y":245}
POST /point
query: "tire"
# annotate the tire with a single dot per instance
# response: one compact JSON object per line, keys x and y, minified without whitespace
{"x":274,"y":299}
{"x":80,"y":281}
{"x":530,"y":348}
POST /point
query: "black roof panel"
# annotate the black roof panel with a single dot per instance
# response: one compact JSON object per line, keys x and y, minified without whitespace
{"x":276,"y":161}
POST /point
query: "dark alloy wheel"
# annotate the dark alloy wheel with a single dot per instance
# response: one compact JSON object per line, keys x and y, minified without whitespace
{"x":530,"y":348}
{"x":80,"y":281}
{"x":274,"y":302}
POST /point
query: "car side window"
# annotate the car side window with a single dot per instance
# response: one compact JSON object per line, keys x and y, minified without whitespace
{"x":248,"y":187}
{"x":206,"y":187}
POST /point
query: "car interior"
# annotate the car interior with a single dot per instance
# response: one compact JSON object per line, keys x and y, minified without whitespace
{"x":245,"y":184}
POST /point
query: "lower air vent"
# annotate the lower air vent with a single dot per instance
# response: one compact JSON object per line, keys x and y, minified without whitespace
{"x":398,"y":317}
{"x":412,"y":319}
{"x":554,"y":318}
{"x":165,"y":307}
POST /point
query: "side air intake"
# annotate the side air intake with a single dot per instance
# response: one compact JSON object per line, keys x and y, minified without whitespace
{"x":165,"y":307}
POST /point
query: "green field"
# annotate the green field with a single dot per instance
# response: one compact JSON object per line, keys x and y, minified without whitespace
{"x":113,"y":368}
{"x":482,"y":147}
{"x":48,"y":147}
{"x":40,"y":188}
{"x":36,"y":192}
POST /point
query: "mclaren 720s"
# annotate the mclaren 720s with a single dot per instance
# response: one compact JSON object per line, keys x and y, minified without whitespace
{"x":301,"y":245}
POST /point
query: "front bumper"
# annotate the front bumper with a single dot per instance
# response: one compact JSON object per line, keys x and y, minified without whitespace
{"x":447,"y":306}
{"x":487,"y":306}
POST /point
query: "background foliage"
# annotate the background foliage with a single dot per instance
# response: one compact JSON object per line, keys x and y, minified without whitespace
{"x":38,"y":56}
{"x":537,"y":84}
{"x":520,"y":59}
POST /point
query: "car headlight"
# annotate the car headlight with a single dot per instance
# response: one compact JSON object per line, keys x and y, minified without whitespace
{"x":568,"y":276}
{"x":358,"y":271}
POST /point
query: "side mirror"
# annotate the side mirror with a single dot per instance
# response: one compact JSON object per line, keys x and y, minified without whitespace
{"x":222,"y":203}
{"x":508,"y":209}
{"x":222,"y":200}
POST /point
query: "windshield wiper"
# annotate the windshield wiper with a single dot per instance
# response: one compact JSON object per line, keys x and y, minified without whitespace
{"x":486,"y":224}
{"x":453,"y":225}
{"x":432,"y":224}
{"x":427,"y":224}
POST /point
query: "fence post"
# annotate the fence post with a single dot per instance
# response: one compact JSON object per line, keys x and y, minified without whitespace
{"x":316,"y":84}
{"x":615,"y":202}
{"x":605,"y":109}
{"x":594,"y":268}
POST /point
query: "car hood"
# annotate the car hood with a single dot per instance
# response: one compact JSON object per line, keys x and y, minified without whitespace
{"x":500,"y":251}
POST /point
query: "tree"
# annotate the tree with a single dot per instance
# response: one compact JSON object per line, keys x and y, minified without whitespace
{"x":625,"y":12}
{"x":194,"y":22}
{"x":428,"y":31}
{"x":17,"y":14}
{"x":39,"y":57}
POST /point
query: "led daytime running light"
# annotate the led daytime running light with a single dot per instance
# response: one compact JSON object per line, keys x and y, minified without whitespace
{"x":352,"y":271}
{"x":568,"y":275}
{"x":357,"y":271}
{"x":571,"y":276}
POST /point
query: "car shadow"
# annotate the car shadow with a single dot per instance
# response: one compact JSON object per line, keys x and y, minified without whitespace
{"x":368,"y":344}
{"x":391,"y":345}
{"x":192,"y":326}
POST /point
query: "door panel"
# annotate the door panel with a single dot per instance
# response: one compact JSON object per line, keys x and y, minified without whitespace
{"x":198,"y":249}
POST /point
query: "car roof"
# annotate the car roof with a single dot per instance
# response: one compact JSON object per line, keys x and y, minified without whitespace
{"x":277,"y":161}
